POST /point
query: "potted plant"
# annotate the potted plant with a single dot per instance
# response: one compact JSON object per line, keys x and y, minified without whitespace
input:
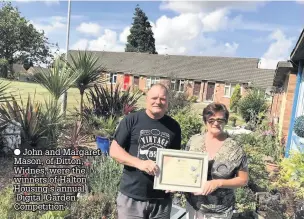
{"x":104,"y":133}
{"x":233,"y":120}
{"x":299,"y":127}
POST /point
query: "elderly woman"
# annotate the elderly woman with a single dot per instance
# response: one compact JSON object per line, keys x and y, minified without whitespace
{"x":227,"y":167}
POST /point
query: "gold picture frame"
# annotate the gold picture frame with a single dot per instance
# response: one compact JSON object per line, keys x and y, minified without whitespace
{"x":184,"y":171}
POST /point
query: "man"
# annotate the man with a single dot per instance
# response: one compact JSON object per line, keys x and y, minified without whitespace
{"x":135,"y":145}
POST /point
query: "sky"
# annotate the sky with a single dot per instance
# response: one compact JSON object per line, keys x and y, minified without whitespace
{"x":257,"y":29}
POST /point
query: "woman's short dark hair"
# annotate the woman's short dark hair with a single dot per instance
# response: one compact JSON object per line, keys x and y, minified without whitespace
{"x":213,"y":108}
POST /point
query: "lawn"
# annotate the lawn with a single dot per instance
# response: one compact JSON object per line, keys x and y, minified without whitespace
{"x":25,"y":88}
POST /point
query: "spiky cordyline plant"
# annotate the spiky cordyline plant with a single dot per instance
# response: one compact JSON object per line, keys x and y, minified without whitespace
{"x":56,"y":80}
{"x":88,"y":68}
{"x":111,"y":101}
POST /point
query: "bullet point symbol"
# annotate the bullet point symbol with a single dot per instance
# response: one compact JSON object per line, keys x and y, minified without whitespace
{"x":17,"y":151}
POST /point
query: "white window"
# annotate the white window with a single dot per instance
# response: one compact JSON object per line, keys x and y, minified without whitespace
{"x":172,"y":86}
{"x":228,"y":90}
{"x":151,"y":80}
{"x":178,"y":85}
{"x":111,"y":78}
{"x":182,"y":85}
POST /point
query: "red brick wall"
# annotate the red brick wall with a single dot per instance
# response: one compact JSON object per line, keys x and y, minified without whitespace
{"x":142,"y":83}
{"x":165,"y":82}
{"x":219,"y":94}
{"x":288,"y":106}
{"x":189,"y":88}
{"x":120,"y":79}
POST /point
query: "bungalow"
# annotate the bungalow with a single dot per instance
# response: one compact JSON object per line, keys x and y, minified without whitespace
{"x":284,"y":84}
{"x":208,"y":78}
{"x":290,"y":78}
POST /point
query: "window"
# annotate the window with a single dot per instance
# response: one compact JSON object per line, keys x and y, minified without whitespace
{"x":111,"y":78}
{"x":172,"y":86}
{"x":151,"y":80}
{"x":178,"y":85}
{"x":228,"y":90}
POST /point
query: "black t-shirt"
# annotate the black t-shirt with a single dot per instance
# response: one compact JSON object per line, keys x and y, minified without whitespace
{"x":140,"y":136}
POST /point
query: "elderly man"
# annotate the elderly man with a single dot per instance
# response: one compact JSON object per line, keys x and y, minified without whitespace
{"x":135,"y":145}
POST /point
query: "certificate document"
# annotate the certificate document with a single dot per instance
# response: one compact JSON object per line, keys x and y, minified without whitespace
{"x":184,"y":171}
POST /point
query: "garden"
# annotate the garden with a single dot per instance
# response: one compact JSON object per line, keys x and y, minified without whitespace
{"x":275,"y":189}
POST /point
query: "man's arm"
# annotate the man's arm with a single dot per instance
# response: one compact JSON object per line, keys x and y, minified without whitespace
{"x":123,"y":157}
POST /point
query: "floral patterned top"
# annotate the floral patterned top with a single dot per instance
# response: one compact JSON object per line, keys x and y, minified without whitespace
{"x":226,"y":163}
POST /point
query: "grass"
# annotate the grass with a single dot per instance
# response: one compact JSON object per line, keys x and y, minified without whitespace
{"x":25,"y":88}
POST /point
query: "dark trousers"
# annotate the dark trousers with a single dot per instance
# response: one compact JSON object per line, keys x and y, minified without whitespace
{"x":129,"y":208}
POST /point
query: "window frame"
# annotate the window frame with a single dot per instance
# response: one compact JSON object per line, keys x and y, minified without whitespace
{"x":110,"y":78}
{"x":231,"y":89}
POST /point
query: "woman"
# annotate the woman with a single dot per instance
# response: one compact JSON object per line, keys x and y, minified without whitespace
{"x":227,"y":167}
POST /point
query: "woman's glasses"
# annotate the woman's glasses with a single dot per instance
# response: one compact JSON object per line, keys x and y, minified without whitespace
{"x":219,"y":121}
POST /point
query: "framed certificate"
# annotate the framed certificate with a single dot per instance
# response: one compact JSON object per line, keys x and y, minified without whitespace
{"x":184,"y":171}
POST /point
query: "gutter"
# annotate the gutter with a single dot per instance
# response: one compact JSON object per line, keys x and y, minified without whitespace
{"x":299,"y":42}
{"x":294,"y":107}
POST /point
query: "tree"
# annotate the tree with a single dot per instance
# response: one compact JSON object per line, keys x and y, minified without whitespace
{"x":86,"y":66}
{"x":19,"y":40}
{"x":236,"y":96}
{"x":141,"y":38}
{"x":56,"y":80}
{"x":253,"y":104}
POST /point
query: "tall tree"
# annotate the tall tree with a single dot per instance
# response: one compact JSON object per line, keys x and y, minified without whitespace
{"x":141,"y":38}
{"x":19,"y":40}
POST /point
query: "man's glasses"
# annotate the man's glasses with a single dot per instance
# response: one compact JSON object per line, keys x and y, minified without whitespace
{"x":219,"y":121}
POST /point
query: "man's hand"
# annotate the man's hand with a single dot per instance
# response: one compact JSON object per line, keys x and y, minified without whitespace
{"x":149,"y":167}
{"x":209,"y":187}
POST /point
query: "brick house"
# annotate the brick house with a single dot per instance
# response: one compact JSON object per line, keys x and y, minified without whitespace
{"x":283,"y":94}
{"x":289,"y":103}
{"x":208,"y":78}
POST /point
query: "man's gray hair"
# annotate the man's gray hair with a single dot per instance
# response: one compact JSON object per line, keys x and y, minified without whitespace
{"x":162,"y":86}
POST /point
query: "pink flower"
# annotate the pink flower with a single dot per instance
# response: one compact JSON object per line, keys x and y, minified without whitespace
{"x":87,"y":164}
{"x":128,"y":109}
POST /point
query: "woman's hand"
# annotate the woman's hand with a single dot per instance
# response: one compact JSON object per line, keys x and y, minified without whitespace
{"x":210,"y":186}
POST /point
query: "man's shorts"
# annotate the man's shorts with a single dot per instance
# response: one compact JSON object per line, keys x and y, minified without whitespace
{"x":129,"y":208}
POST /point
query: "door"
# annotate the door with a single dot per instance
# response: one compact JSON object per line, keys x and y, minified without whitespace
{"x":136,"y":80}
{"x":210,"y":91}
{"x":197,"y":88}
{"x":126,"y":82}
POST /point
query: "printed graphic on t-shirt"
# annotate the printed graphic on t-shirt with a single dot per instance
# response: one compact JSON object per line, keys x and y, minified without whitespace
{"x":149,"y":141}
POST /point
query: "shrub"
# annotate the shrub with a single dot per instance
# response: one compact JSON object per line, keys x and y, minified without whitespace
{"x":245,"y":199}
{"x":291,"y":173}
{"x":193,"y":99}
{"x":111,"y":101}
{"x":30,"y":117}
{"x":251,"y":105}
{"x":105,"y":127}
{"x":233,"y":119}
{"x":94,"y":206}
{"x":236,"y":96}
{"x":3,"y":67}
{"x":53,"y":121}
{"x":177,"y":101}
{"x":299,"y":126}
{"x":7,"y":200}
{"x":190,"y":124}
{"x":55,"y":215}
{"x":104,"y":175}
{"x":253,"y":147}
